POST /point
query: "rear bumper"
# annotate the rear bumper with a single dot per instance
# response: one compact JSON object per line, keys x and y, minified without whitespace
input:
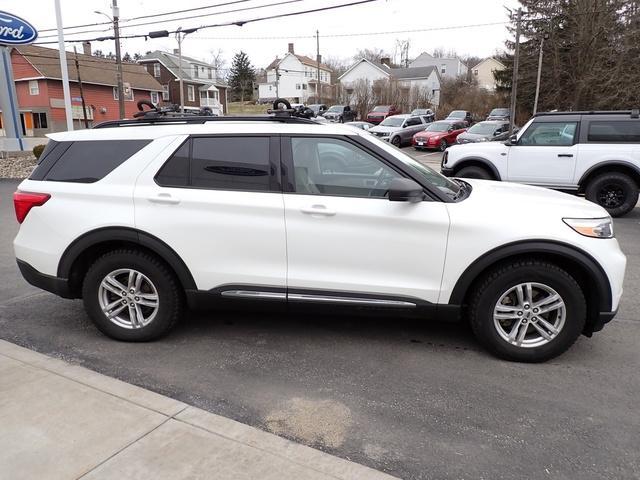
{"x":59,"y":286}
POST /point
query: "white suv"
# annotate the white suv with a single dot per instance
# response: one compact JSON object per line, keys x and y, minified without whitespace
{"x":141,"y":219}
{"x":592,"y":153}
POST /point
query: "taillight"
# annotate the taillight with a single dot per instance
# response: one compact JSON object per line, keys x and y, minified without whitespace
{"x":23,"y":202}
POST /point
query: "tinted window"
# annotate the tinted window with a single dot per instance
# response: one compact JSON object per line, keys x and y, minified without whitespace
{"x":614,"y":132}
{"x":86,"y":162}
{"x":50,"y":155}
{"x":231,"y":163}
{"x":326,"y":166}
{"x":549,"y":134}
{"x":175,"y":173}
{"x":412,"y":122}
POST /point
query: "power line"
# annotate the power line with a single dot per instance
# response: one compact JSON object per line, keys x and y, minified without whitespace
{"x":238,"y":23}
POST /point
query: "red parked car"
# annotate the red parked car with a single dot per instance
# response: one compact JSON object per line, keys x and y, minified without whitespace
{"x":439,"y":135}
{"x":380,"y":112}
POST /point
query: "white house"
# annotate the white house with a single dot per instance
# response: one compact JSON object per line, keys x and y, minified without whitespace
{"x":483,"y":72}
{"x":294,"y":77}
{"x":426,"y":78}
{"x":447,"y":67}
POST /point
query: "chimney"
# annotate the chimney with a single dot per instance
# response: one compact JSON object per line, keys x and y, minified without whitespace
{"x":291,"y":48}
{"x":86,"y":48}
{"x":175,"y":51}
{"x":386,"y":61}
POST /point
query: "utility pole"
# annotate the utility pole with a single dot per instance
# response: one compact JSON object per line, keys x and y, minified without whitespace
{"x":180,"y":81}
{"x":277,"y":82}
{"x":64,"y":69}
{"x":115,"y":11}
{"x":318,"y":87}
{"x":535,"y":102}
{"x":514,"y":80}
{"x":84,"y":107}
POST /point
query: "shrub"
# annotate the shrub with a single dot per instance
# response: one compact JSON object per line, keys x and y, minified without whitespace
{"x":37,"y":150}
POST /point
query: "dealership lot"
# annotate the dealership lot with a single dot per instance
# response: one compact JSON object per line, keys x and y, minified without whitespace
{"x":418,"y":400}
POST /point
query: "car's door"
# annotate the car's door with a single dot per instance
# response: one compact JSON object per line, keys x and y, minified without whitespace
{"x":217,"y":202}
{"x":544,"y":154}
{"x":412,"y":125}
{"x":344,"y":237}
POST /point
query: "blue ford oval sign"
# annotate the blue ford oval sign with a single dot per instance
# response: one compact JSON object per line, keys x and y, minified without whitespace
{"x":15,"y":31}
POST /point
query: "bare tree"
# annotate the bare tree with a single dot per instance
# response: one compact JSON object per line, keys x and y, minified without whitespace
{"x":372,"y":54}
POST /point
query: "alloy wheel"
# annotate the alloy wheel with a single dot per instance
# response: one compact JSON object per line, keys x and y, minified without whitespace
{"x":128,"y":298}
{"x":611,"y":196}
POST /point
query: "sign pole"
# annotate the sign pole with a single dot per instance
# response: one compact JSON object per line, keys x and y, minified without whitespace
{"x":9,"y":101}
{"x":63,"y":68}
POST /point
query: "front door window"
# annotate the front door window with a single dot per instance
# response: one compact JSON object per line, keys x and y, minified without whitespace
{"x":549,"y":134}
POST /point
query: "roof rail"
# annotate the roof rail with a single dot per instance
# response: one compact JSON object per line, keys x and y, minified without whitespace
{"x":634,"y":113}
{"x":170,"y":115}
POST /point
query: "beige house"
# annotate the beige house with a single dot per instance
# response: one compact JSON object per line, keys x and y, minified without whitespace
{"x":483,"y":72}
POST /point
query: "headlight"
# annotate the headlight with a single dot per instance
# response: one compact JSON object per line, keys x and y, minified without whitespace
{"x":591,"y":227}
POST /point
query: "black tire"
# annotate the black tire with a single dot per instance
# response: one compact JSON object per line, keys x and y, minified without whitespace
{"x":443,"y":145}
{"x":396,"y":141}
{"x":170,"y":298}
{"x":615,"y":192}
{"x":490,"y":289}
{"x":474,"y":172}
{"x":341,"y":119}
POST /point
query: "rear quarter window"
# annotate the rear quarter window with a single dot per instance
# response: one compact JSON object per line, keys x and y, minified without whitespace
{"x":614,"y":132}
{"x":84,"y":162}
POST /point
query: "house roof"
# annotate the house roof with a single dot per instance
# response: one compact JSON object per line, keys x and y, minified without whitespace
{"x":302,"y":58}
{"x":171,"y":61}
{"x":486,"y":60}
{"x":398,"y":73}
{"x":96,"y":70}
{"x":379,"y":66}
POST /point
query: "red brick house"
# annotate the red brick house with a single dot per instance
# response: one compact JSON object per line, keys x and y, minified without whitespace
{"x":37,"y":76}
{"x":201,"y":83}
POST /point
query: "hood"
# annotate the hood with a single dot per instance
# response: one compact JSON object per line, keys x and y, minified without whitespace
{"x":493,"y":148}
{"x":377,"y":114}
{"x":425,"y":134}
{"x":473,"y":137}
{"x":515,"y":202}
{"x":384,"y":129}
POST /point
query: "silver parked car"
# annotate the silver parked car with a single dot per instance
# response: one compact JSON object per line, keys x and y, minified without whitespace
{"x":399,"y":129}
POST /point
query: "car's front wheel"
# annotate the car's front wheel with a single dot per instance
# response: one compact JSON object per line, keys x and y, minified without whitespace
{"x":395,"y":141}
{"x":528,"y":311}
{"x":615,"y":192}
{"x":443,"y":145}
{"x":132,"y":296}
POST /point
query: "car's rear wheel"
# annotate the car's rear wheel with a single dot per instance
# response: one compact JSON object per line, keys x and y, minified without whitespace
{"x":395,"y":141}
{"x":528,"y":311}
{"x":615,"y":192}
{"x":132,"y":296}
{"x":443,"y":145}
{"x":474,"y":172}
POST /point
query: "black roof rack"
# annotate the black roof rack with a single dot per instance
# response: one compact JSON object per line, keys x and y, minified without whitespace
{"x":171,"y":115}
{"x":634,"y":113}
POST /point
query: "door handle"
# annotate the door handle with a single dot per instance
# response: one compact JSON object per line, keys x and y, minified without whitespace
{"x":318,"y":210}
{"x":568,"y":155}
{"x":164,"y":199}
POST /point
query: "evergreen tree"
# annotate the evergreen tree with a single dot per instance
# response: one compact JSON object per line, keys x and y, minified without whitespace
{"x":589,"y":57}
{"x":241,"y":76}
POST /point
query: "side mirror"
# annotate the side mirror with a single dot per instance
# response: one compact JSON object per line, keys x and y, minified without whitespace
{"x":405,"y":190}
{"x":450,"y":129}
{"x":513,"y":139}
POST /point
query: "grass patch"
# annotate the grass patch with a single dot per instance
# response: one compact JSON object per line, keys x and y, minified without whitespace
{"x":239,"y":108}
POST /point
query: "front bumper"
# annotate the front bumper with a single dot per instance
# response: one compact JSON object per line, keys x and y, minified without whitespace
{"x":59,"y":286}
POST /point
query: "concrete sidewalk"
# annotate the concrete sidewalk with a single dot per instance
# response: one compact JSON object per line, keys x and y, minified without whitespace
{"x":62,"y":421}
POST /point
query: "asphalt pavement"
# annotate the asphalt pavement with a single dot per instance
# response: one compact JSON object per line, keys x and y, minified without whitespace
{"x":413,"y":399}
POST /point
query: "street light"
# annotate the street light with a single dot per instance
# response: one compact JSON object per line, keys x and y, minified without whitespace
{"x":535,"y":102}
{"x":116,"y":33}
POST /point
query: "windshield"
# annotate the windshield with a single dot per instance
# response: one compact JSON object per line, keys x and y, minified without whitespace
{"x":427,"y":174}
{"x":315,"y":108}
{"x":458,"y":114}
{"x":499,"y":111}
{"x":483,"y":128}
{"x":438,"y":127}
{"x":381,"y":109}
{"x":336,"y":108}
{"x":392,"y":122}
{"x":421,"y":111}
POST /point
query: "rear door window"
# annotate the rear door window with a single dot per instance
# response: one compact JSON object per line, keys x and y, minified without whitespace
{"x":86,"y":161}
{"x":614,"y":132}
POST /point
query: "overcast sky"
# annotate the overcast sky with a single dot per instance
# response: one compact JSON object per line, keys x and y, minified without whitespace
{"x":439,"y":23}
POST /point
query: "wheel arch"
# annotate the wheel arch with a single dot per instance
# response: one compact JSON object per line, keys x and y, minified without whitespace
{"x":477,"y":162}
{"x":81,"y":253}
{"x":582,"y":266}
{"x":619,"y":166}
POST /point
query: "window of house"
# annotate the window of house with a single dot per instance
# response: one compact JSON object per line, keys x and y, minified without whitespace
{"x":443,"y":68}
{"x":156,"y":70}
{"x":270,"y":88}
{"x":304,"y":86}
{"x":475,"y":72}
{"x":191,"y":93}
{"x":165,"y":92}
{"x":220,"y":163}
{"x":40,"y":120}
{"x":128,"y":93}
{"x":626,"y":131}
{"x":210,"y":73}
{"x":34,"y":88}
{"x":298,"y":87}
{"x":327,"y":166}
{"x":155,"y":98}
{"x":195,"y":71}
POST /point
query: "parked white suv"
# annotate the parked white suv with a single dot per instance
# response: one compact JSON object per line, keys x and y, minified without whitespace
{"x":142,"y":218}
{"x":592,"y":153}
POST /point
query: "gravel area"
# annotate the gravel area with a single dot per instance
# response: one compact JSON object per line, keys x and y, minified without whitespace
{"x":17,"y":166}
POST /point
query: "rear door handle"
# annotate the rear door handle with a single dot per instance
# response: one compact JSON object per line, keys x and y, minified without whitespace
{"x":164,"y":199}
{"x":318,"y":210}
{"x":568,"y":155}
